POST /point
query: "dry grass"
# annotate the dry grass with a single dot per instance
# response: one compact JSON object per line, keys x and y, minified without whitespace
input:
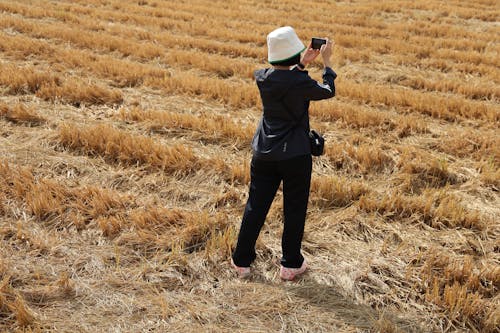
{"x":368,"y":32}
{"x":355,"y":117}
{"x":50,"y":201}
{"x":20,"y":114}
{"x":445,"y":108}
{"x":490,"y":175}
{"x":482,"y":91}
{"x":51,"y":87}
{"x":168,"y":230}
{"x":25,"y":80}
{"x":116,"y":215}
{"x":123,"y":219}
{"x":118,"y":146}
{"x":62,"y":288}
{"x":123,"y":73}
{"x":411,"y":125}
{"x":13,"y":307}
{"x":363,"y":157}
{"x":419,"y":171}
{"x":437,"y":209}
{"x":481,"y":146}
{"x":334,"y":192}
{"x":78,"y":93}
{"x":448,"y":108}
{"x":213,"y":129}
{"x":462,"y":287}
{"x":168,"y":18}
{"x":413,"y":100}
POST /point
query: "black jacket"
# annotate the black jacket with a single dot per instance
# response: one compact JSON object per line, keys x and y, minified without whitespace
{"x":284,"y":92}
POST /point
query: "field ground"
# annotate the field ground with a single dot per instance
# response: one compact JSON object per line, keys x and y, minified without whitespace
{"x":124,"y":151}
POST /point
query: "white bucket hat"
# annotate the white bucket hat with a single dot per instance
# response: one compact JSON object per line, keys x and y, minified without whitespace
{"x":283,"y":44}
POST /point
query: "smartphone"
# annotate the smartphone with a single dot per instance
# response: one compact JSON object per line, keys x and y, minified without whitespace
{"x":317,"y":42}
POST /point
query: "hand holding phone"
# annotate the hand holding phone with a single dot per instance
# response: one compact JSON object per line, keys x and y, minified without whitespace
{"x":326,"y":51}
{"x":317,"y":42}
{"x":309,"y":55}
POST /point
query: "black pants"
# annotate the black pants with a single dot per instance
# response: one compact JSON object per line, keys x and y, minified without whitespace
{"x":266,"y":177}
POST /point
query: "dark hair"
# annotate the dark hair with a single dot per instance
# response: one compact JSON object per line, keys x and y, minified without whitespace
{"x":289,"y":62}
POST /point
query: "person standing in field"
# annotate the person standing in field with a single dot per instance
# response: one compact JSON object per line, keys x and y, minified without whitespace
{"x":281,"y":148}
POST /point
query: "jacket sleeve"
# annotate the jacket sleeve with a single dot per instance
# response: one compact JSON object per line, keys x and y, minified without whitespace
{"x":313,"y":90}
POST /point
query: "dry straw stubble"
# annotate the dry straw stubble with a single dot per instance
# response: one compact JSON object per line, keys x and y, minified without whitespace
{"x":117,"y":215}
{"x":13,"y":307}
{"x":20,"y":114}
{"x":118,"y":146}
{"x":216,"y":129}
{"x":52,"y":87}
{"x":444,"y":71}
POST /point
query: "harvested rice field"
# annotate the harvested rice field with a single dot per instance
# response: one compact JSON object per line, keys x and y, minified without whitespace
{"x":125,"y":131}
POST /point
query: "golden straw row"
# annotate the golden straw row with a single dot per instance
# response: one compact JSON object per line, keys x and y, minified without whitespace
{"x":222,"y":66}
{"x":52,"y":87}
{"x":418,"y":170}
{"x":244,"y":94}
{"x":489,"y":15}
{"x":226,"y":130}
{"x":365,"y":41}
{"x":147,"y":51}
{"x":462,"y":285}
{"x":45,"y":198}
{"x":368,"y":42}
{"x":185,"y":12}
{"x":20,"y":114}
{"x":216,"y":129}
{"x":435,"y":208}
{"x":117,"y":215}
{"x":118,"y":146}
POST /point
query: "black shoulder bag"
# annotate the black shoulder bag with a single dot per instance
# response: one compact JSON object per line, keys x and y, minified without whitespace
{"x":317,"y":141}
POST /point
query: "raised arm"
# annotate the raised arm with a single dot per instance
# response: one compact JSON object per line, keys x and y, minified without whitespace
{"x":312,"y":89}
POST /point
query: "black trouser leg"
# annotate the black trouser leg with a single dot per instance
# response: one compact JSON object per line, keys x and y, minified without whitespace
{"x":296,"y":184}
{"x":264,"y":182}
